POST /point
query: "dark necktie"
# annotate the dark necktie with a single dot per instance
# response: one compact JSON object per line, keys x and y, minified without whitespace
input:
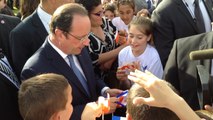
{"x":7,"y":71}
{"x":199,"y":18}
{"x":78,"y":74}
{"x":149,"y":4}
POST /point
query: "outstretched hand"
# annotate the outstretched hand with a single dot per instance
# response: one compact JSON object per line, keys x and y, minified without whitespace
{"x":161,"y":95}
{"x":91,"y":111}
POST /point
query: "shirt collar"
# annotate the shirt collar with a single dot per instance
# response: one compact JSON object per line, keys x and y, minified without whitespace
{"x":44,"y":17}
{"x":189,"y":2}
{"x":63,"y":55}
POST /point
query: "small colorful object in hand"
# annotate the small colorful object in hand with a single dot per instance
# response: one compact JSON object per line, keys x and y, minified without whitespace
{"x":104,"y":102}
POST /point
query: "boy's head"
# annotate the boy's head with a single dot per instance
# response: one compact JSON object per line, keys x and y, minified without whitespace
{"x":45,"y":97}
{"x":110,"y":11}
{"x":145,"y":112}
{"x":126,"y":9}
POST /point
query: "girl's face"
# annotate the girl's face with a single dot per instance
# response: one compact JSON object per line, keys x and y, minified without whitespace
{"x":96,"y":16}
{"x":108,"y":14}
{"x":138,"y":40}
{"x":126,"y":13}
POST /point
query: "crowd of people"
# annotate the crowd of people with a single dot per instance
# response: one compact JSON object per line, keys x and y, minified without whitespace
{"x":57,"y":57}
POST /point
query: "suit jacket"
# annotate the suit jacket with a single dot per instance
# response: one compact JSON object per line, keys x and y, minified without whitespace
{"x":25,"y":39}
{"x":7,"y":23}
{"x":181,"y":72}
{"x":47,"y":60}
{"x":172,"y":20}
{"x":9,"y":109}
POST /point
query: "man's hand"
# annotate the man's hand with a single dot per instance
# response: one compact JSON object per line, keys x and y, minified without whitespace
{"x":113,"y":92}
{"x":113,"y":104}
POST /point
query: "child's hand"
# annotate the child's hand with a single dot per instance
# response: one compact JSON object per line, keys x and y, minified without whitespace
{"x":122,"y":33}
{"x":123,"y":71}
{"x":121,"y":37}
{"x":108,"y":105}
{"x":136,"y":65}
{"x":91,"y":111}
{"x":143,"y":12}
{"x":121,"y":74}
{"x":120,"y":40}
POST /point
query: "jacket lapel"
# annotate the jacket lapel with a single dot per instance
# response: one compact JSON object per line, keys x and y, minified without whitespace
{"x":62,"y":67}
{"x":183,"y":9}
{"x":206,"y":44}
{"x":204,"y":70}
{"x":41,"y":31}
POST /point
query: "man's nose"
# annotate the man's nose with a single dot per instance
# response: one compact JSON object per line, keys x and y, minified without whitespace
{"x":86,"y":42}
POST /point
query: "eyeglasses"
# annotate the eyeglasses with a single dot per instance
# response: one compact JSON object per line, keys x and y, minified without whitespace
{"x":81,"y":39}
{"x":100,"y":13}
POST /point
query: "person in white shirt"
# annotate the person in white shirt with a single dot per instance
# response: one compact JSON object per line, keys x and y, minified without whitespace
{"x":126,"y":9}
{"x":140,"y":53}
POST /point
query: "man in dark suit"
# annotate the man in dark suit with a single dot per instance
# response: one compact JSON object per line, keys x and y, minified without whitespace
{"x":7,"y":23}
{"x":181,"y":72}
{"x":9,"y":86}
{"x":29,"y":35}
{"x":174,"y":19}
{"x":65,"y":49}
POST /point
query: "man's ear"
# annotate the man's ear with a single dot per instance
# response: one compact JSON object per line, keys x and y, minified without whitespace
{"x":59,"y":33}
{"x":56,"y":116}
{"x":128,"y":116}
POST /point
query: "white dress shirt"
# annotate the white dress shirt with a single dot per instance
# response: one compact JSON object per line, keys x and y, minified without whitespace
{"x":44,"y":17}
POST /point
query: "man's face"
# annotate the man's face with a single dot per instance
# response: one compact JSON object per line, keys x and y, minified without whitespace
{"x":77,"y":38}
